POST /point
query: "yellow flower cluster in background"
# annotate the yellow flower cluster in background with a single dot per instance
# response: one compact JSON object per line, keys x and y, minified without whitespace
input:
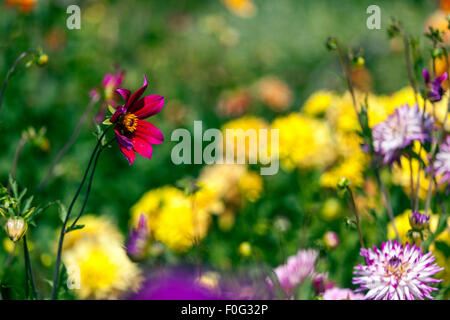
{"x":98,"y":266}
{"x":242,"y":8}
{"x":174,"y":218}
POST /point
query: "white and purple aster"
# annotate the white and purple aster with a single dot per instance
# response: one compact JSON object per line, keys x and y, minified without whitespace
{"x":405,"y":125}
{"x":442,"y":162}
{"x":297,"y":268}
{"x":396,"y":272}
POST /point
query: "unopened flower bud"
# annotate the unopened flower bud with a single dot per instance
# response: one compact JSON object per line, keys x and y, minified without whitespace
{"x":16,"y":228}
{"x":419,"y":221}
{"x":343,"y":183}
{"x":331,"y":239}
{"x":331,"y":44}
{"x":358,"y":62}
{"x":42,"y":60}
{"x":245,"y":249}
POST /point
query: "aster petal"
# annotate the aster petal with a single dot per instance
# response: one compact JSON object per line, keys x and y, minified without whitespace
{"x":135,"y":97}
{"x":148,"y":106}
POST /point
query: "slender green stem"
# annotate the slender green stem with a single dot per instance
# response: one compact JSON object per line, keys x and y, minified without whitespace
{"x":68,"y":144}
{"x":409,"y":67}
{"x":19,"y":148}
{"x":352,"y":204}
{"x":10,"y":72}
{"x":63,"y":229}
{"x":29,"y":269}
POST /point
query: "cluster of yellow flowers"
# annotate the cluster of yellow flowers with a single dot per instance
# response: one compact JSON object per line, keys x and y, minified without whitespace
{"x":97,"y":264}
{"x":180,"y":220}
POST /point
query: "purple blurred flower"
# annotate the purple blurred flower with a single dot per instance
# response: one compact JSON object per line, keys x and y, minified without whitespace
{"x":331,"y":239}
{"x":138,"y":240}
{"x":442,"y":162}
{"x":419,"y":221}
{"x":174,"y":285}
{"x":405,"y":125}
{"x":295,"y":271}
{"x":434,"y":88}
{"x":396,"y":272}
{"x":321,"y":283}
{"x":341,"y":294}
{"x":110,"y":83}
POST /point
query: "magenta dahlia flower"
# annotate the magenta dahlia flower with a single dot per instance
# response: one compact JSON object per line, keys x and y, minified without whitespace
{"x":435,"y":91}
{"x":295,"y":271}
{"x":134,"y":134}
{"x":396,"y":272}
{"x":442,"y":162}
{"x":405,"y":125}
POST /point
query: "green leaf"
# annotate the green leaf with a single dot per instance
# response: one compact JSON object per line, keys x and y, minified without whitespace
{"x":75,"y":227}
{"x":111,"y":109}
{"x":62,"y":212}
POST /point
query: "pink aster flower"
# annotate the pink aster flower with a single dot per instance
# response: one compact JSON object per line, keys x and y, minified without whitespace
{"x":405,"y":125}
{"x":396,"y":272}
{"x":133,"y":134}
{"x":295,"y":271}
{"x":110,"y":83}
{"x":341,"y":294}
{"x":442,"y":162}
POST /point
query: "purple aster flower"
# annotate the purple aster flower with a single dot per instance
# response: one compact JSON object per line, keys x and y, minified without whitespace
{"x":138,"y":239}
{"x":295,"y":271}
{"x":321,"y":283}
{"x":435,"y":90}
{"x":419,"y":221}
{"x":396,"y":272}
{"x":405,"y":125}
{"x":442,"y":162}
{"x":341,"y":294}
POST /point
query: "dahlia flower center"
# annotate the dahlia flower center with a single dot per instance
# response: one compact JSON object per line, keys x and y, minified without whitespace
{"x":129,"y":122}
{"x":396,"y":267}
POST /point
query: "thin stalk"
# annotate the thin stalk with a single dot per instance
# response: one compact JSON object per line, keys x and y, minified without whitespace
{"x":10,"y":72}
{"x":387,"y":202}
{"x":66,"y":220}
{"x":411,"y":181}
{"x":29,"y":268}
{"x":19,"y":148}
{"x":68,"y":144}
{"x":355,"y":211}
{"x":409,"y":67}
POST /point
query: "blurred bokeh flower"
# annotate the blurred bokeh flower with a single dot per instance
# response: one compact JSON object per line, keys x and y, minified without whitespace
{"x":442,"y":162}
{"x":341,"y":294}
{"x":275,"y":93}
{"x":242,"y":8}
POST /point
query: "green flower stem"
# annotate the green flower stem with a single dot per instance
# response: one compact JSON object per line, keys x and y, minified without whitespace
{"x":352,"y":204}
{"x":68,"y":144}
{"x":409,"y":67}
{"x":19,"y":148}
{"x":10,"y":72}
{"x":63,"y":229}
{"x":29,"y":270}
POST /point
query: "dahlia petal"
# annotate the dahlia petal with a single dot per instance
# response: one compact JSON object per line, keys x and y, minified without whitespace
{"x":149,"y":132}
{"x":148,"y":106}
{"x":135,"y":97}
{"x":125,"y":93}
{"x":142,"y":147}
{"x":123,"y":141}
{"x":129,"y":154}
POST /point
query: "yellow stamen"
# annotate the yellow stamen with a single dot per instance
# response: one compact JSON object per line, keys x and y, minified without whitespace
{"x":130,"y":122}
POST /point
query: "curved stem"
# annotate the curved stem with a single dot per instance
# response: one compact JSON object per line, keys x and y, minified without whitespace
{"x":19,"y":148}
{"x":387,"y":202}
{"x":68,"y":144}
{"x":10,"y":72}
{"x":63,"y":229}
{"x":355,"y":211}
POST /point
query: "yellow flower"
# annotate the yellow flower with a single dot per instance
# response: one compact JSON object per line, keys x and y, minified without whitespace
{"x":173,"y":217}
{"x":251,"y":185}
{"x":97,"y":229}
{"x":401,"y":97}
{"x":242,"y":8}
{"x":342,"y":116}
{"x":351,"y":168}
{"x":303,"y":142}
{"x":247,"y":130}
{"x":401,"y":175}
{"x":102,"y":270}
{"x":318,"y":103}
{"x":438,"y":110}
{"x":97,"y":263}
{"x":403,"y":226}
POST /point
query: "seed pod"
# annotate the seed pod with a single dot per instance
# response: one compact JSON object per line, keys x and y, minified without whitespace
{"x":16,"y":228}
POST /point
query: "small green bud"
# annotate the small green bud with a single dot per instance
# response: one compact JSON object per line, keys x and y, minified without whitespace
{"x":42,"y":60}
{"x":343,"y":183}
{"x":331,"y":44}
